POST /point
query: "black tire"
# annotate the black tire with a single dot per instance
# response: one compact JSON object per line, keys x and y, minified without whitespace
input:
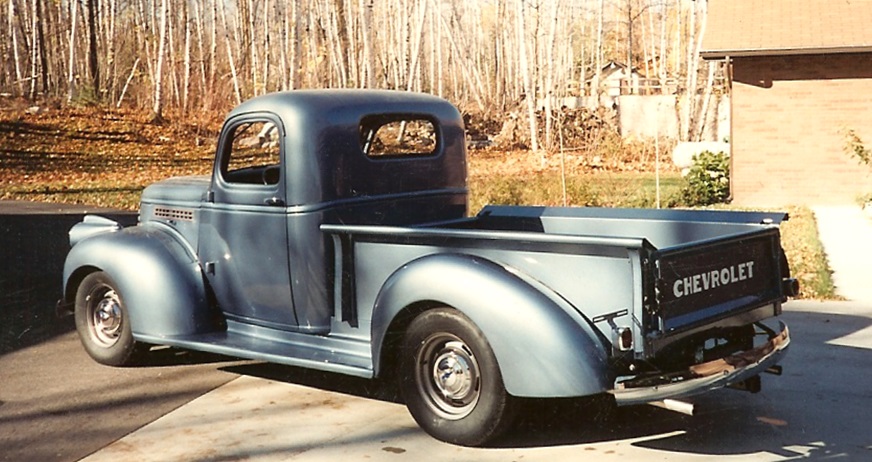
{"x":468,"y":404}
{"x":103,"y":323}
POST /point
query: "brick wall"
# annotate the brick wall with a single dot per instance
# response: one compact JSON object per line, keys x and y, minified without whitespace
{"x":789,"y":115}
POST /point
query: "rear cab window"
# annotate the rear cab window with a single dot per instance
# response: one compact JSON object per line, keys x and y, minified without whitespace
{"x":398,"y":136}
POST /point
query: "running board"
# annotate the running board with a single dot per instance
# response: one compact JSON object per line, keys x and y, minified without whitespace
{"x":331,"y":354}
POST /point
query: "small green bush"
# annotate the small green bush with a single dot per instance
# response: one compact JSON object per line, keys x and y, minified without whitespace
{"x":708,"y":181}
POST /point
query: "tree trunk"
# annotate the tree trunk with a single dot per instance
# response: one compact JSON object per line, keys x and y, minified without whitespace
{"x":93,"y":65}
{"x":157,"y":107}
{"x":40,"y":37}
{"x":71,"y":83}
{"x":549,"y":75}
{"x":366,"y":37}
{"x":440,"y":58}
{"x":127,"y":83}
{"x":595,"y":92}
{"x":34,"y":50}
{"x":267,"y":43}
{"x":233,"y":72}
{"x":186,"y":78}
{"x":661,"y":71}
{"x":296,"y":50}
{"x":337,"y":42}
{"x":19,"y":77}
{"x":213,"y":51}
{"x":690,"y":81}
{"x":706,"y":99}
{"x":201,"y":55}
{"x":709,"y":83}
{"x":171,"y":59}
{"x":250,"y":31}
{"x":416,"y":50}
{"x":109,"y":36}
{"x":530,"y":95}
{"x":351,"y":44}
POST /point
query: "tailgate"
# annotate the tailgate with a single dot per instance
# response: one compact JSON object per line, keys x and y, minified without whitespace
{"x":706,"y":282}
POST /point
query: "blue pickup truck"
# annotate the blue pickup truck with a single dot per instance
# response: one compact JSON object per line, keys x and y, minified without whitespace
{"x":333,"y":234}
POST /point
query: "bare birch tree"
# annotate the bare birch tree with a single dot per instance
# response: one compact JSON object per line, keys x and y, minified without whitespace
{"x":11,"y":29}
{"x":486,"y":56}
{"x":71,"y":84}
{"x":157,"y":107}
{"x":233,"y":72}
{"x":525,"y":74}
{"x":549,"y":73}
{"x":367,"y":79}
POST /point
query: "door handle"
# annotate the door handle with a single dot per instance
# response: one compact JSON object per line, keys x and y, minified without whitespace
{"x":274,"y":201}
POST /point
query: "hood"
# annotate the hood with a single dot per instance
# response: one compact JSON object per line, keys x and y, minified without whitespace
{"x":186,"y":189}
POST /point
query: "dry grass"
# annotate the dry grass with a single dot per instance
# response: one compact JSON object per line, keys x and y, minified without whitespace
{"x":805,"y":253}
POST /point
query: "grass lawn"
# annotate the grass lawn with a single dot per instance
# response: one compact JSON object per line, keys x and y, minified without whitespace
{"x":592,"y":189}
{"x":105,"y":158}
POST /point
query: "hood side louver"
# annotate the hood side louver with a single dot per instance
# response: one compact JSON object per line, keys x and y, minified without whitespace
{"x":173,"y":214}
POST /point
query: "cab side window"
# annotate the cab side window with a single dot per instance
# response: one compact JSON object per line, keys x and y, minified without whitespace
{"x":255,"y":154}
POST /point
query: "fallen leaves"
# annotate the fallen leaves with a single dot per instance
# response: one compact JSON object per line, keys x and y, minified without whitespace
{"x":88,"y":156}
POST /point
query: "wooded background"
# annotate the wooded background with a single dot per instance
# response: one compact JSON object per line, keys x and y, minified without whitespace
{"x":486,"y":56}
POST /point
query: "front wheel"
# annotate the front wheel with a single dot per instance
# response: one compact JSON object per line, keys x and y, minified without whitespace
{"x":451,"y":381}
{"x":103,"y":323}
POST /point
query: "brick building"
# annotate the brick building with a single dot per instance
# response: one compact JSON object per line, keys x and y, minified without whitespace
{"x":800,"y":76}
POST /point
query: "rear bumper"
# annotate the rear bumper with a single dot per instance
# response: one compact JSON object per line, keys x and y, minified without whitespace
{"x":708,"y":376}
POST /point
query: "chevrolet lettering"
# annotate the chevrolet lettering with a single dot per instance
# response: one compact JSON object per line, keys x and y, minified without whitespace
{"x":713,"y":279}
{"x":333,"y":234}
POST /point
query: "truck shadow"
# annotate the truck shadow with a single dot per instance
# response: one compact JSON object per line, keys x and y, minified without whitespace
{"x":381,"y":390}
{"x":161,"y":356}
{"x":813,"y":411}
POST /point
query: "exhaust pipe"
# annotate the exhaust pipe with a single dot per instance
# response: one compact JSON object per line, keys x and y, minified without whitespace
{"x":674,"y":405}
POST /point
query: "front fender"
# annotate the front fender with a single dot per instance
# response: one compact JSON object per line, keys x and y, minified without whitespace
{"x":158,"y":276}
{"x":543,"y":346}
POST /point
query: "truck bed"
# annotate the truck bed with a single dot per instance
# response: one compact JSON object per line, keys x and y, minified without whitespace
{"x":699,"y":245}
{"x":664,"y":229}
{"x":658,"y":267}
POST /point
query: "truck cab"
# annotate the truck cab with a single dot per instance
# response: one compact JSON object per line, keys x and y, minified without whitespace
{"x":282,"y":169}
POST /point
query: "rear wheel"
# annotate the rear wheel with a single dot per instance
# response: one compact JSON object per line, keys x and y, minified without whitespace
{"x":103,"y":323}
{"x":451,"y":381}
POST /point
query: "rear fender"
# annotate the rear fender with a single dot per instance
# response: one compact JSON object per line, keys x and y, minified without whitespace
{"x":543,"y":346}
{"x":157,"y":274}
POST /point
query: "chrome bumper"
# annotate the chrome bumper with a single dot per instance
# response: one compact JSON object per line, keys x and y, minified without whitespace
{"x":709,"y":376}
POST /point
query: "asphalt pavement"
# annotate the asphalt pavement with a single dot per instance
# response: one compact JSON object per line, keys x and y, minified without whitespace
{"x":56,"y":404}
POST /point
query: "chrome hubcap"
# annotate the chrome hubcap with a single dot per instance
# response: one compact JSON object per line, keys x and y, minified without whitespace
{"x":449,"y":376}
{"x":106,"y":317}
